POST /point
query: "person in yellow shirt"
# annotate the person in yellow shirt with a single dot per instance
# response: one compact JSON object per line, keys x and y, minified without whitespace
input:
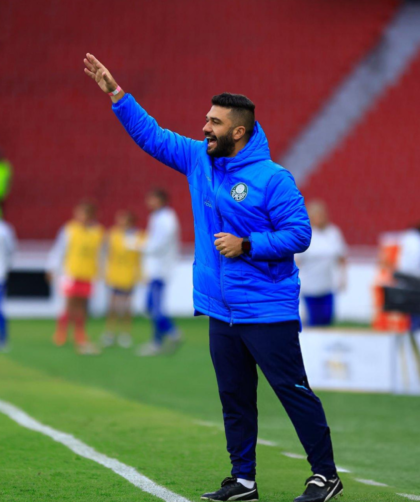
{"x":122,"y":273}
{"x":76,"y":253}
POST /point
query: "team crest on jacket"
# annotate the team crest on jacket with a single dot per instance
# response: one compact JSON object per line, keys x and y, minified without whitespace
{"x":239,"y":191}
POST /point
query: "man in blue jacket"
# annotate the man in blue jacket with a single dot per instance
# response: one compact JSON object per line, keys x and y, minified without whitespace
{"x":250,"y":220}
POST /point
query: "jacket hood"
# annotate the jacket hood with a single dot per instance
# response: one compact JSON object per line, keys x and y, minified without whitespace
{"x":256,"y":150}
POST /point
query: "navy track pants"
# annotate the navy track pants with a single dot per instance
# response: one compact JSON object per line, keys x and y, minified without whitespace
{"x":236,"y":350}
{"x":162,"y":324}
{"x":320,"y":309}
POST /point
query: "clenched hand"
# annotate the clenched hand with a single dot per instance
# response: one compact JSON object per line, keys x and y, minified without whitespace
{"x":228,"y":245}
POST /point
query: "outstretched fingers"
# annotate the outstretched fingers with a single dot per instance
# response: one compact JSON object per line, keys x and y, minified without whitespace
{"x":95,"y":62}
{"x":88,"y":65}
{"x":91,"y":74}
{"x":97,"y":71}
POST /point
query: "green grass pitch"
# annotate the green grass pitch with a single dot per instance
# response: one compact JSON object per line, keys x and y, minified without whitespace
{"x":149,"y":414}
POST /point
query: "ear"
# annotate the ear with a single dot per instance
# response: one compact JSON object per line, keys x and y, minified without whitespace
{"x":238,"y":133}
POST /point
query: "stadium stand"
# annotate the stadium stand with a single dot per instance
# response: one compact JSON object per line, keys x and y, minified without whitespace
{"x":369,"y":182}
{"x":65,"y":143}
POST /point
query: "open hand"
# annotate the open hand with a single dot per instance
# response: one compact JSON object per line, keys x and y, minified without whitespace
{"x":228,"y":245}
{"x":97,"y":71}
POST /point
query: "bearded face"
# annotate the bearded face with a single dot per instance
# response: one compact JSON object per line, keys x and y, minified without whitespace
{"x":220,"y":146}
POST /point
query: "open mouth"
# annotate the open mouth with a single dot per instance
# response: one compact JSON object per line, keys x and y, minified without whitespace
{"x":211,"y":141}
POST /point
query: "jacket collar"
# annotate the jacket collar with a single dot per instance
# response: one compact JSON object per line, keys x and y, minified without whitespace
{"x":256,"y":150}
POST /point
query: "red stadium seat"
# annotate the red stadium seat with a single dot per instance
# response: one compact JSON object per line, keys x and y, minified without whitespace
{"x":370,"y":184}
{"x":65,"y":144}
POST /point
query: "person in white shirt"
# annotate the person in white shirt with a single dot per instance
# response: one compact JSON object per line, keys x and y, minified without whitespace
{"x":409,"y":261}
{"x":322,"y":266}
{"x":409,"y":256}
{"x":7,"y":249}
{"x":160,"y":252}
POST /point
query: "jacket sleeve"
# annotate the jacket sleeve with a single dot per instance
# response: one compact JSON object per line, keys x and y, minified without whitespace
{"x":292,"y":230}
{"x":166,"y":146}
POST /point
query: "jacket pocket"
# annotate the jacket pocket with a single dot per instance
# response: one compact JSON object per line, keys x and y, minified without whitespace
{"x":279,"y":270}
{"x":270,"y":272}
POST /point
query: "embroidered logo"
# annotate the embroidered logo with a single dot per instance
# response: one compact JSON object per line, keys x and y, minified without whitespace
{"x":239,"y":192}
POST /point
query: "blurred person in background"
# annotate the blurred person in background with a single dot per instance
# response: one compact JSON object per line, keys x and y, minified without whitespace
{"x":409,"y":261}
{"x":409,"y":255}
{"x":122,"y":272}
{"x":322,"y":266}
{"x":160,"y":250}
{"x":7,"y":249}
{"x":77,"y":251}
{"x":5,"y":178}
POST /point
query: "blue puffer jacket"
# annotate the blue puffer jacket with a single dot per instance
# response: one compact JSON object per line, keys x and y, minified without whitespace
{"x":246,"y":195}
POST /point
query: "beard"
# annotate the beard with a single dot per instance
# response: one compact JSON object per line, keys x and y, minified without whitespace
{"x":225,"y":145}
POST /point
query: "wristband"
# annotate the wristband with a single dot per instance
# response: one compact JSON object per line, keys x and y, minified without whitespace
{"x":246,"y":245}
{"x":114,"y":93}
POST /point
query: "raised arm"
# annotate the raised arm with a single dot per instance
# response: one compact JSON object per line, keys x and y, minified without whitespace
{"x":102,"y":76}
{"x":166,"y":146}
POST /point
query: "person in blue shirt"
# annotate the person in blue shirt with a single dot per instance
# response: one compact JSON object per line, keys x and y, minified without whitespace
{"x":250,"y":220}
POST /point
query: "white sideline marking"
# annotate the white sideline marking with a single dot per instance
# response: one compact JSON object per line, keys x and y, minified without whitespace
{"x":82,"y":449}
{"x":125,"y":471}
{"x":293,"y":455}
{"x":208,"y":424}
{"x":265,"y":442}
{"x":302,"y":457}
{"x":341,"y":469}
{"x":370,"y":482}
